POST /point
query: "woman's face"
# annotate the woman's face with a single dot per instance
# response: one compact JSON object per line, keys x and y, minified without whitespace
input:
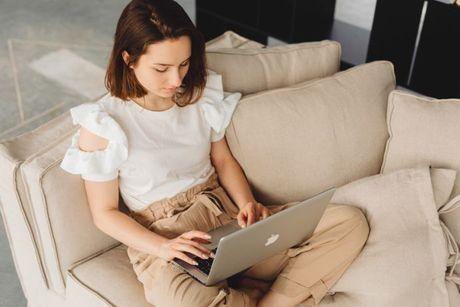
{"x":162,"y":67}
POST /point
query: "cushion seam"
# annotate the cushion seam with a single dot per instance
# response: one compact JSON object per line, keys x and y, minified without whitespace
{"x":252,"y":52}
{"x":28,"y":196}
{"x":28,"y":226}
{"x":94,"y":292}
{"x":391,"y":107}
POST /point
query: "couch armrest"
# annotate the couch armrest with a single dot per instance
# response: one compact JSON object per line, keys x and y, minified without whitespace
{"x":45,"y":209}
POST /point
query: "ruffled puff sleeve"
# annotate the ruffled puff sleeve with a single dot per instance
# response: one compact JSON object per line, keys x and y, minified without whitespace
{"x":217,"y":105}
{"x":98,"y":165}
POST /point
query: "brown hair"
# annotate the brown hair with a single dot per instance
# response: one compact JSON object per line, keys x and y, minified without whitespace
{"x":142,"y":23}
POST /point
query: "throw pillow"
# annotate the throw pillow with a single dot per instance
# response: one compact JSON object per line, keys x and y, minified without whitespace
{"x":296,"y":141}
{"x":257,"y":69}
{"x":230,"y":39}
{"x":422,"y":131}
{"x":404,"y":260}
{"x":425,"y":131}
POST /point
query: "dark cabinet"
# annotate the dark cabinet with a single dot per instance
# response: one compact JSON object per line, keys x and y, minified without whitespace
{"x":437,"y":63}
{"x":288,"y":20}
{"x":430,"y":67}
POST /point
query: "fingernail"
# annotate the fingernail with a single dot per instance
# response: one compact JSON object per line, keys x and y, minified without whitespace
{"x":195,"y":263}
{"x":205,"y":256}
{"x":208,"y":236}
{"x":213,"y":255}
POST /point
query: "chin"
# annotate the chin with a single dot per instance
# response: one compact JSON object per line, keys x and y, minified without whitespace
{"x":166,"y":94}
{"x":163,"y":95}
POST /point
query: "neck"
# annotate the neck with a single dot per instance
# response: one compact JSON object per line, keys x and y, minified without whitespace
{"x":154,"y":102}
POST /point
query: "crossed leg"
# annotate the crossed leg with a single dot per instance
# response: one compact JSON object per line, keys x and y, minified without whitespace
{"x":305,"y":272}
{"x":299,"y":275}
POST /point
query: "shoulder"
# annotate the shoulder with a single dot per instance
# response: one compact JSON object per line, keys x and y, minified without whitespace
{"x":99,"y":147}
{"x":216,"y":104}
{"x":98,"y":126}
{"x":97,"y":121}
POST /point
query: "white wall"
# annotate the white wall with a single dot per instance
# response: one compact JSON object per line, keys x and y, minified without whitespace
{"x":352,"y":26}
{"x":359,"y":13}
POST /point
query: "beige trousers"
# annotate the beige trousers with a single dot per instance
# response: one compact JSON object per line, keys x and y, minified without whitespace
{"x":308,"y":269}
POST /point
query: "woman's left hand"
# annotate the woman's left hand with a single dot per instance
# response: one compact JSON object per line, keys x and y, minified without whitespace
{"x":251,"y":213}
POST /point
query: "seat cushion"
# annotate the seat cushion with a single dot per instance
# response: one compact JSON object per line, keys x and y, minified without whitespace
{"x":297,"y":141}
{"x":105,"y":279}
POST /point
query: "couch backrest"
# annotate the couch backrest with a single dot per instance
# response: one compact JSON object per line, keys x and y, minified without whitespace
{"x":296,"y":141}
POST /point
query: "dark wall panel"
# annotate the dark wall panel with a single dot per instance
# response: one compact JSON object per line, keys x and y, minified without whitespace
{"x":394,"y":32}
{"x":212,"y":25}
{"x":287,"y":20}
{"x":276,"y":18}
{"x":239,"y":11}
{"x":313,"y":20}
{"x":437,"y":66}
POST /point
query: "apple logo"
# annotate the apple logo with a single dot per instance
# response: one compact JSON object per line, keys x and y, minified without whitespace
{"x":272,"y":239}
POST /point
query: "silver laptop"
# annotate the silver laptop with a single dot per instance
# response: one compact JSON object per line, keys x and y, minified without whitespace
{"x":237,"y":249}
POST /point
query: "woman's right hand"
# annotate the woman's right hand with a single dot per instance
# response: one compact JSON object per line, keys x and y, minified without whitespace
{"x":176,"y":248}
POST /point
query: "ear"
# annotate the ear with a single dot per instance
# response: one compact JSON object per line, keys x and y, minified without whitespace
{"x":125,"y":56}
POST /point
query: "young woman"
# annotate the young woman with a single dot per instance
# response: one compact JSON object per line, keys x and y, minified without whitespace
{"x":158,"y":138}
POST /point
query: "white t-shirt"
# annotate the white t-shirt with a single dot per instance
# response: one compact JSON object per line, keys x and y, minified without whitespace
{"x":156,"y":154}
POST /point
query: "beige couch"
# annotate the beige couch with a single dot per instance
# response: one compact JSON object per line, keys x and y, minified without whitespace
{"x":336,"y":136}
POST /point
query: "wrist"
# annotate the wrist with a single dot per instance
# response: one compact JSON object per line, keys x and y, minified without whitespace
{"x":156,"y":243}
{"x":244,"y":203}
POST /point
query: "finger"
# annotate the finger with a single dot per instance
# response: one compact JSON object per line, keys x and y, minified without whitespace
{"x":258,"y":213}
{"x":251,"y":215}
{"x":185,"y":258}
{"x":202,"y":241}
{"x":199,"y":246}
{"x":262,"y":212}
{"x":191,"y":249}
{"x":265,"y":213}
{"x":241,"y":217}
{"x":196,"y":234}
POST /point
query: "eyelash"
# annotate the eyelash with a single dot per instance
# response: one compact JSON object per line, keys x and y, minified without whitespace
{"x":167,"y":69}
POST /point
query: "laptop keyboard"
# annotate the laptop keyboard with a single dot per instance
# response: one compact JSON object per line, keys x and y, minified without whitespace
{"x":204,"y":265}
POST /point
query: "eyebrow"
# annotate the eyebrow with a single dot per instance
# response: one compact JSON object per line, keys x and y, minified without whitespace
{"x":171,"y":64}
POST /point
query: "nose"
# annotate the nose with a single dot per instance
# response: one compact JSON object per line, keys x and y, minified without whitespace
{"x":175,"y":79}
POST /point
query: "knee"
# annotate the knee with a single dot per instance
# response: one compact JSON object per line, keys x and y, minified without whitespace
{"x":357,"y":224}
